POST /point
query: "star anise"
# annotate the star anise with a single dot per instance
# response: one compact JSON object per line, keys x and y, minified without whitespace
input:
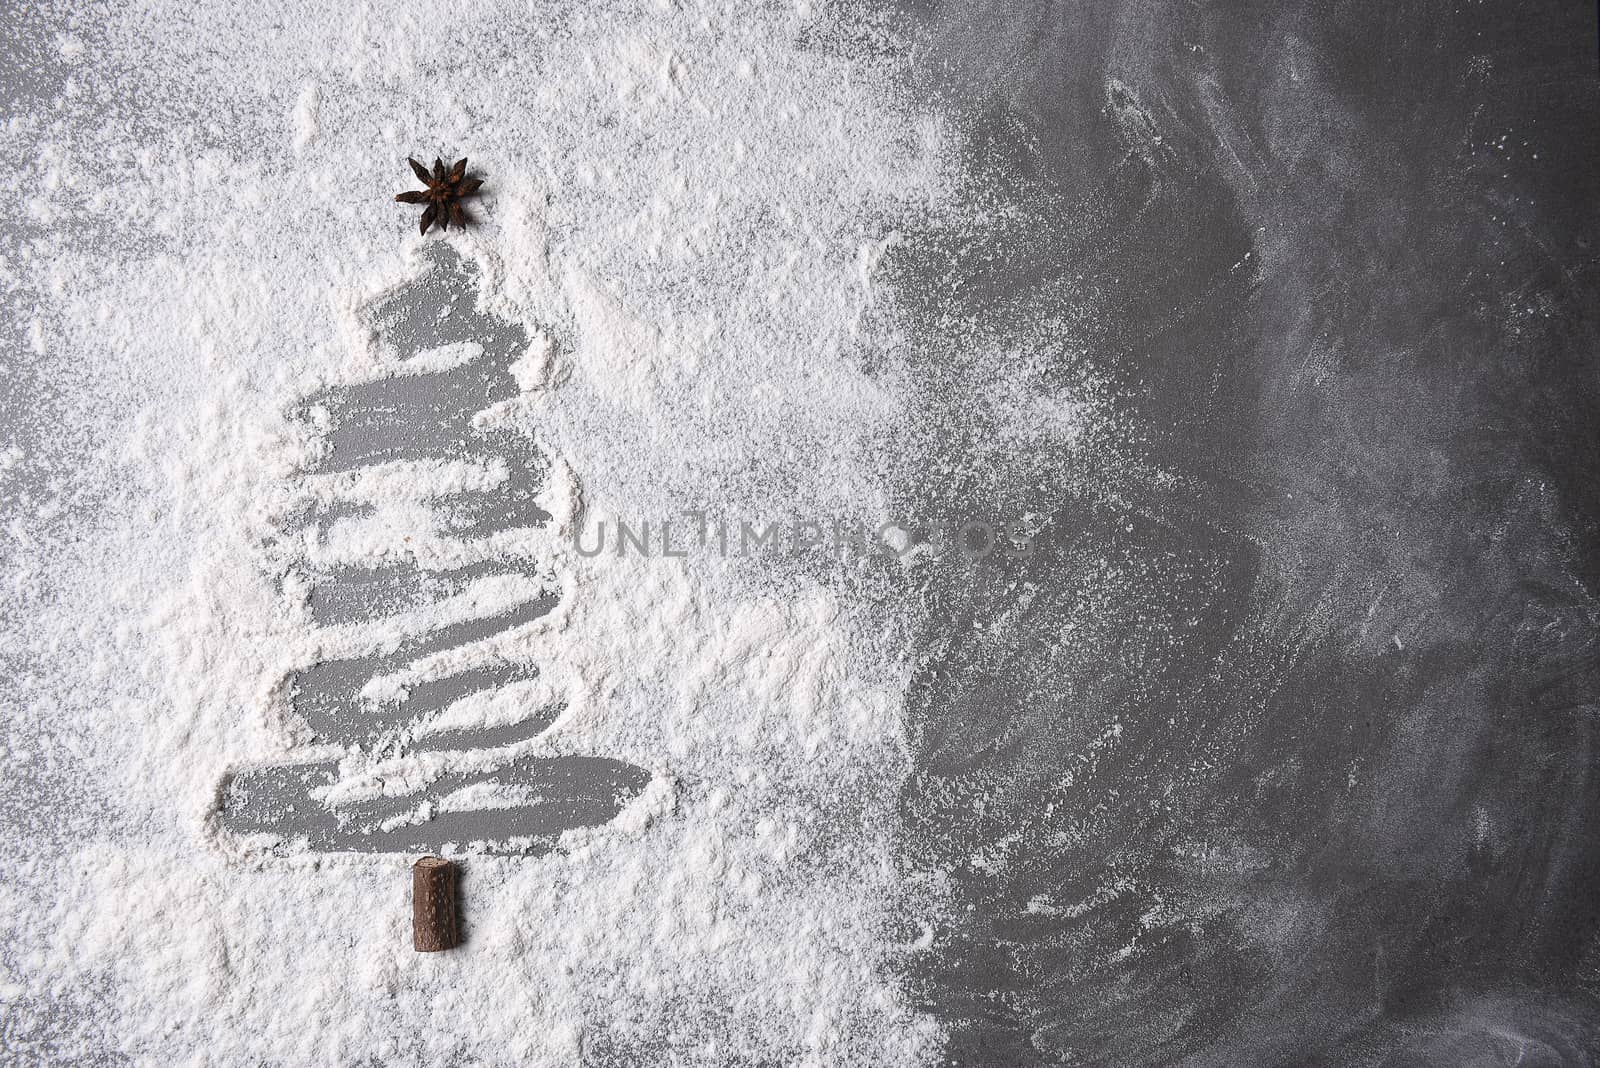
{"x":443,"y":195}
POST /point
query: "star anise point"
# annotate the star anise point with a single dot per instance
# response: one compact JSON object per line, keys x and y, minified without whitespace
{"x":445,"y":188}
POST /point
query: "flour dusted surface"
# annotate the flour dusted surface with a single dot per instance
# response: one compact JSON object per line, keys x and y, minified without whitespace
{"x":682,"y":207}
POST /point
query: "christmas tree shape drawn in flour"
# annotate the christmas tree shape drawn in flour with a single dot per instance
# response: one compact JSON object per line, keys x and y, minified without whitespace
{"x":390,"y":772}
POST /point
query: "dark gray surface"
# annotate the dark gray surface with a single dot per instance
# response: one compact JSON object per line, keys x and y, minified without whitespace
{"x":1282,"y":749}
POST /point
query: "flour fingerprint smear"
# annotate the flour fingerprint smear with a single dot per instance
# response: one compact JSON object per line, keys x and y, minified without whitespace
{"x":426,"y":575}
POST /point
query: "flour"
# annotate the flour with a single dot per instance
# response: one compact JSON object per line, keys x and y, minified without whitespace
{"x":683,"y":208}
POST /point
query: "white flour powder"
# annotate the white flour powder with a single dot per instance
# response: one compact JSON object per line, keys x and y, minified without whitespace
{"x":683,"y":206}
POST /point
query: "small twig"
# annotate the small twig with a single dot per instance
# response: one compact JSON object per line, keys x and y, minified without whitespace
{"x":433,"y":905}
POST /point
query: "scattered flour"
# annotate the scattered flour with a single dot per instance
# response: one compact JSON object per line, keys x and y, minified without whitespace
{"x":685,"y":205}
